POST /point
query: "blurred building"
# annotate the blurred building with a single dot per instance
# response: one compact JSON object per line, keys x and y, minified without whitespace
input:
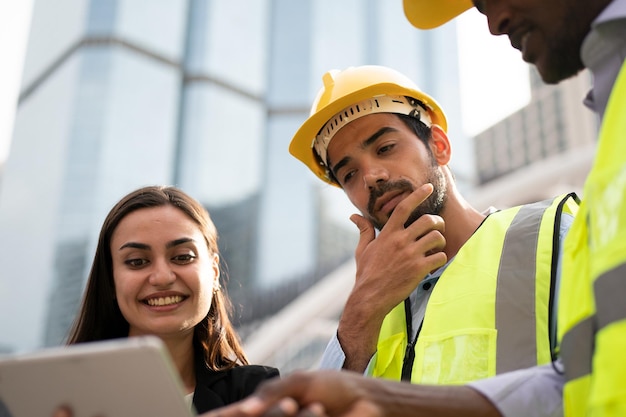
{"x":203,"y":94}
{"x":544,"y":149}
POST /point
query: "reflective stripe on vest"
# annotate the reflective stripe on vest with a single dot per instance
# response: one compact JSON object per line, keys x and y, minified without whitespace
{"x":517,"y":347}
{"x":610,"y":291}
{"x":489,"y":311}
{"x":577,"y":344}
{"x":592,"y":311}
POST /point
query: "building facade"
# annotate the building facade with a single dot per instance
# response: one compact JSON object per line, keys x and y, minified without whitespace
{"x":543,"y":149}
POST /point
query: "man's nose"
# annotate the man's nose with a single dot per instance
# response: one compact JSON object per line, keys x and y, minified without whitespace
{"x":374,"y":176}
{"x":498,"y":16}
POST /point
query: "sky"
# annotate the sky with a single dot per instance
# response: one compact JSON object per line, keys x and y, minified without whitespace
{"x":488,"y":66}
{"x":14,"y":22}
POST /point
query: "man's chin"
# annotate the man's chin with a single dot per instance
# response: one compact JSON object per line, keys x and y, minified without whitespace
{"x":552,"y":72}
{"x":378,"y":224}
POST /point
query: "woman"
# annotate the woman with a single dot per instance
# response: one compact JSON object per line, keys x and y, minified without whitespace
{"x":156,"y":272}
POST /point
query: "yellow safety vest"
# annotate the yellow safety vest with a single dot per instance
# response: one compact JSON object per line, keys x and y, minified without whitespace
{"x":592,"y":310}
{"x":490,"y":311}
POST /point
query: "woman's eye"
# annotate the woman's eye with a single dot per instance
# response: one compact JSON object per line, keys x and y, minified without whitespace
{"x":185,"y":258}
{"x":135,"y":263}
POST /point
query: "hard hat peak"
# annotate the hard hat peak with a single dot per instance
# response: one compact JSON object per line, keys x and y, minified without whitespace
{"x":329,"y":78}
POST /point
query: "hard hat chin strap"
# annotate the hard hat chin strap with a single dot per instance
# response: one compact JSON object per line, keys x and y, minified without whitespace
{"x":380,"y":104}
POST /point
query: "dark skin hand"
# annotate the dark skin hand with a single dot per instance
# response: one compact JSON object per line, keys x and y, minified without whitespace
{"x":348,"y":394}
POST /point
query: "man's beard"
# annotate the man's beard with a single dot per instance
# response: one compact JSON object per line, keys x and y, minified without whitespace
{"x":434,"y":204}
{"x":564,"y":59}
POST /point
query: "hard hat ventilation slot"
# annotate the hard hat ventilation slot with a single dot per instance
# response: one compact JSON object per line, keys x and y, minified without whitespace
{"x":379,"y":104}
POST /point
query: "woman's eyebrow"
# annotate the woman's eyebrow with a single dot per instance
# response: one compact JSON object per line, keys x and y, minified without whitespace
{"x":177,"y":242}
{"x":134,"y":245}
{"x":143,"y":246}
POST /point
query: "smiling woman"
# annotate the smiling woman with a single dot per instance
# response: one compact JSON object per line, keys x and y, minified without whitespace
{"x":156,"y":271}
{"x":164,"y":273}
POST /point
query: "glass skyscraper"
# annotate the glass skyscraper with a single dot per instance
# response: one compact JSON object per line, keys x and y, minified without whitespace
{"x":202,"y":94}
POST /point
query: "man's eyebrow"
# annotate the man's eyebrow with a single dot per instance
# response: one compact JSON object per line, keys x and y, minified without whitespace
{"x":143,"y":246}
{"x":367,"y":142}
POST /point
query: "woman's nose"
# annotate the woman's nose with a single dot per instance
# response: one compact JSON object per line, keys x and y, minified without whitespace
{"x":162,"y":274}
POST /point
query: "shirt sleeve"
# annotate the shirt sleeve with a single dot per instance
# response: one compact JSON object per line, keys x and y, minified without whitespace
{"x":532,"y":392}
{"x":333,"y":357}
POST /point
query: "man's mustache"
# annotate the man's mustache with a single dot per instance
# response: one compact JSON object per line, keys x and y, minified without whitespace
{"x":376,"y":193}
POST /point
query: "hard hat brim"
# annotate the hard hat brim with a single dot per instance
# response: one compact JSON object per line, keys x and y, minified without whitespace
{"x":301,"y":144}
{"x":429,"y":14}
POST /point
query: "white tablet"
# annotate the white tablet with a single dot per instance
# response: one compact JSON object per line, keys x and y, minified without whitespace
{"x":130,"y":377}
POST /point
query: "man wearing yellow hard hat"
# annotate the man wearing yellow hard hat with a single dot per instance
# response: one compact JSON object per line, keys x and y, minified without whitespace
{"x":380,"y":138}
{"x":560,"y":38}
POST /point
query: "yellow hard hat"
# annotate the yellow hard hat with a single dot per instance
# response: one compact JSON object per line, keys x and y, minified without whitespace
{"x":428,"y":14}
{"x":352,"y":93}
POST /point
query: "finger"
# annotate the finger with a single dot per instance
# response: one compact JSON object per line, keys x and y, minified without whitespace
{"x":434,"y":242}
{"x":251,"y":406}
{"x":432,"y":245}
{"x":426,"y":224}
{"x":313,"y":410}
{"x":286,"y":407}
{"x":428,"y":233}
{"x":63,"y":411}
{"x":435,"y":260}
{"x":366,"y":233}
{"x":403,"y":210}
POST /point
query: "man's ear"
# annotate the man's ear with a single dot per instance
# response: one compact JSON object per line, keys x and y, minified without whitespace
{"x":440,"y":145}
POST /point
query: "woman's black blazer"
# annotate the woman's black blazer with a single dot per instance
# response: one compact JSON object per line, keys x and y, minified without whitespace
{"x":216,"y":389}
